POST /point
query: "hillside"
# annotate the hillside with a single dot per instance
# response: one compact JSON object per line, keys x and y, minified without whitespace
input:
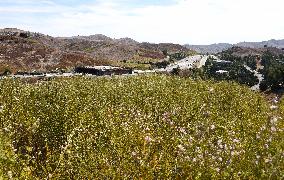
{"x":26,"y":51}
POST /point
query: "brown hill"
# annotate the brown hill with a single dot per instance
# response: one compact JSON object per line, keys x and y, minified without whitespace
{"x":27,"y":51}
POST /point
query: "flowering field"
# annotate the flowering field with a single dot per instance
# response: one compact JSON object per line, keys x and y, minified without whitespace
{"x":148,"y":127}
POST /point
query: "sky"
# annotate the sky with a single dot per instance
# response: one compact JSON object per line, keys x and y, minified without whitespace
{"x":173,"y":21}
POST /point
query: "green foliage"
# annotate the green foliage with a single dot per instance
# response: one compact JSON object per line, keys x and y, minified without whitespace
{"x":176,"y":71}
{"x":148,"y":127}
{"x":273,"y":71}
{"x":89,"y":50}
{"x":195,"y":73}
{"x":7,"y":71}
{"x":132,"y":65}
{"x":32,"y":40}
{"x":249,"y":60}
{"x":161,"y":64}
{"x":165,"y":52}
{"x":281,"y":106}
{"x":178,"y":56}
{"x":233,"y":67}
{"x":235,"y":71}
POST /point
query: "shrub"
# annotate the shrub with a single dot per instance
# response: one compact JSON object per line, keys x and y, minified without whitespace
{"x":137,"y":127}
{"x":176,"y":71}
{"x":273,"y":71}
{"x":5,"y":71}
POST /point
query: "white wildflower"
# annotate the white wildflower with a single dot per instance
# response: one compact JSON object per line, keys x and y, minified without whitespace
{"x":182,"y":130}
{"x":262,"y":128}
{"x":148,"y":139}
{"x":10,"y":174}
{"x":236,"y":153}
{"x":219,"y":141}
{"x":274,"y":120}
{"x":275,"y":100}
{"x":225,"y":146}
{"x":187,"y":158}
{"x":212,"y":127}
{"x":207,"y":113}
{"x":273,"y":129}
{"x":190,"y":139}
{"x":273,"y":107}
{"x":124,"y":124}
{"x":236,"y":140}
{"x":181,"y":148}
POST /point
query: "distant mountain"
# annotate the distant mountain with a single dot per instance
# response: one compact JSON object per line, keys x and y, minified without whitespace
{"x":237,"y":51}
{"x":271,"y":43}
{"x":215,"y":48}
{"x":211,"y":49}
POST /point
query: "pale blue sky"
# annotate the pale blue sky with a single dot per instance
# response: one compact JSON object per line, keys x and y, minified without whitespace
{"x":177,"y":21}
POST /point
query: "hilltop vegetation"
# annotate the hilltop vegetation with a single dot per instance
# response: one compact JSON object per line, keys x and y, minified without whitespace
{"x":245,"y":66}
{"x":273,"y":71}
{"x":137,"y":127}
